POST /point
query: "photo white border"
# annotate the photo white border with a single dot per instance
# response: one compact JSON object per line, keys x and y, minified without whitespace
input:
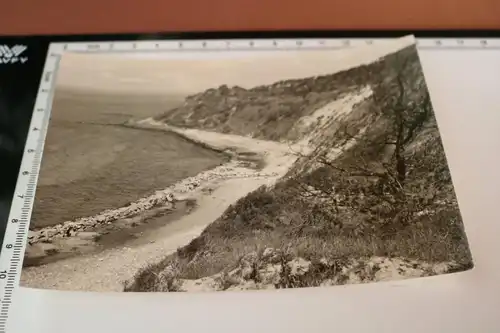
{"x":464,"y":89}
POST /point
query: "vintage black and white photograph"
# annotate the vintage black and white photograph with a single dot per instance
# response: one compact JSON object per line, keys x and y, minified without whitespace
{"x":246,"y":171}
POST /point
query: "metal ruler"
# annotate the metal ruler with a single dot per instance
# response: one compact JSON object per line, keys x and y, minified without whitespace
{"x":14,"y":244}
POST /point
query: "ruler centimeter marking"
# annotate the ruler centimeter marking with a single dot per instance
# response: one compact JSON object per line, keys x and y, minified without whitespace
{"x":14,"y":243}
{"x":270,"y":44}
{"x":16,"y":231}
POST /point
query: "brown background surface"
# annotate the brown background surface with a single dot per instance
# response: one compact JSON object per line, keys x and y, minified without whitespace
{"x":110,"y":16}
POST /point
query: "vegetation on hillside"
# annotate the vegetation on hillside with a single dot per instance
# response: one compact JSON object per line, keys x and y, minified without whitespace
{"x":389,"y":193}
{"x":270,"y":111}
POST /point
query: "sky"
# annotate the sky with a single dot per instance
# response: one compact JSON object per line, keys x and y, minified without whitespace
{"x":180,"y":73}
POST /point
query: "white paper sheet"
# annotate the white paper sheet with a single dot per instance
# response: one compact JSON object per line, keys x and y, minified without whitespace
{"x":464,"y":89}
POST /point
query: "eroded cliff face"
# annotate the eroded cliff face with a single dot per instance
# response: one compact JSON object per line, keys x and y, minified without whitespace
{"x":271,"y":111}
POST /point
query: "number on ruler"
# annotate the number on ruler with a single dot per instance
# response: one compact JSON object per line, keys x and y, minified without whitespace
{"x":157,"y":45}
{"x":35,"y":129}
{"x":45,"y":90}
{"x":40,"y":109}
{"x":9,"y":246}
{"x":65,"y":47}
{"x":483,"y":42}
{"x":369,"y":42}
{"x":321,"y":42}
{"x":25,"y":173}
{"x":3,"y":274}
{"x":460,"y":42}
{"x":111,"y":46}
{"x":14,"y":220}
{"x":31,"y":150}
{"x":21,"y":196}
{"x":298,"y":43}
{"x":93,"y":47}
{"x":438,"y":42}
{"x":181,"y":45}
{"x":275,"y":43}
{"x":346,"y":42}
{"x":47,"y":76}
{"x":228,"y":44}
{"x":251,"y":44}
{"x":134,"y":46}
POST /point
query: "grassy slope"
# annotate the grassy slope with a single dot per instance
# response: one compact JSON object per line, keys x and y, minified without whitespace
{"x":362,"y":218}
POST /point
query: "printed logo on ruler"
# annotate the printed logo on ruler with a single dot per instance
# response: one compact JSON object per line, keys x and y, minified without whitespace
{"x":12,"y":55}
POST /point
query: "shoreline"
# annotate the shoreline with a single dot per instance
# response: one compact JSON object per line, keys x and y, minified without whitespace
{"x":113,"y":266}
